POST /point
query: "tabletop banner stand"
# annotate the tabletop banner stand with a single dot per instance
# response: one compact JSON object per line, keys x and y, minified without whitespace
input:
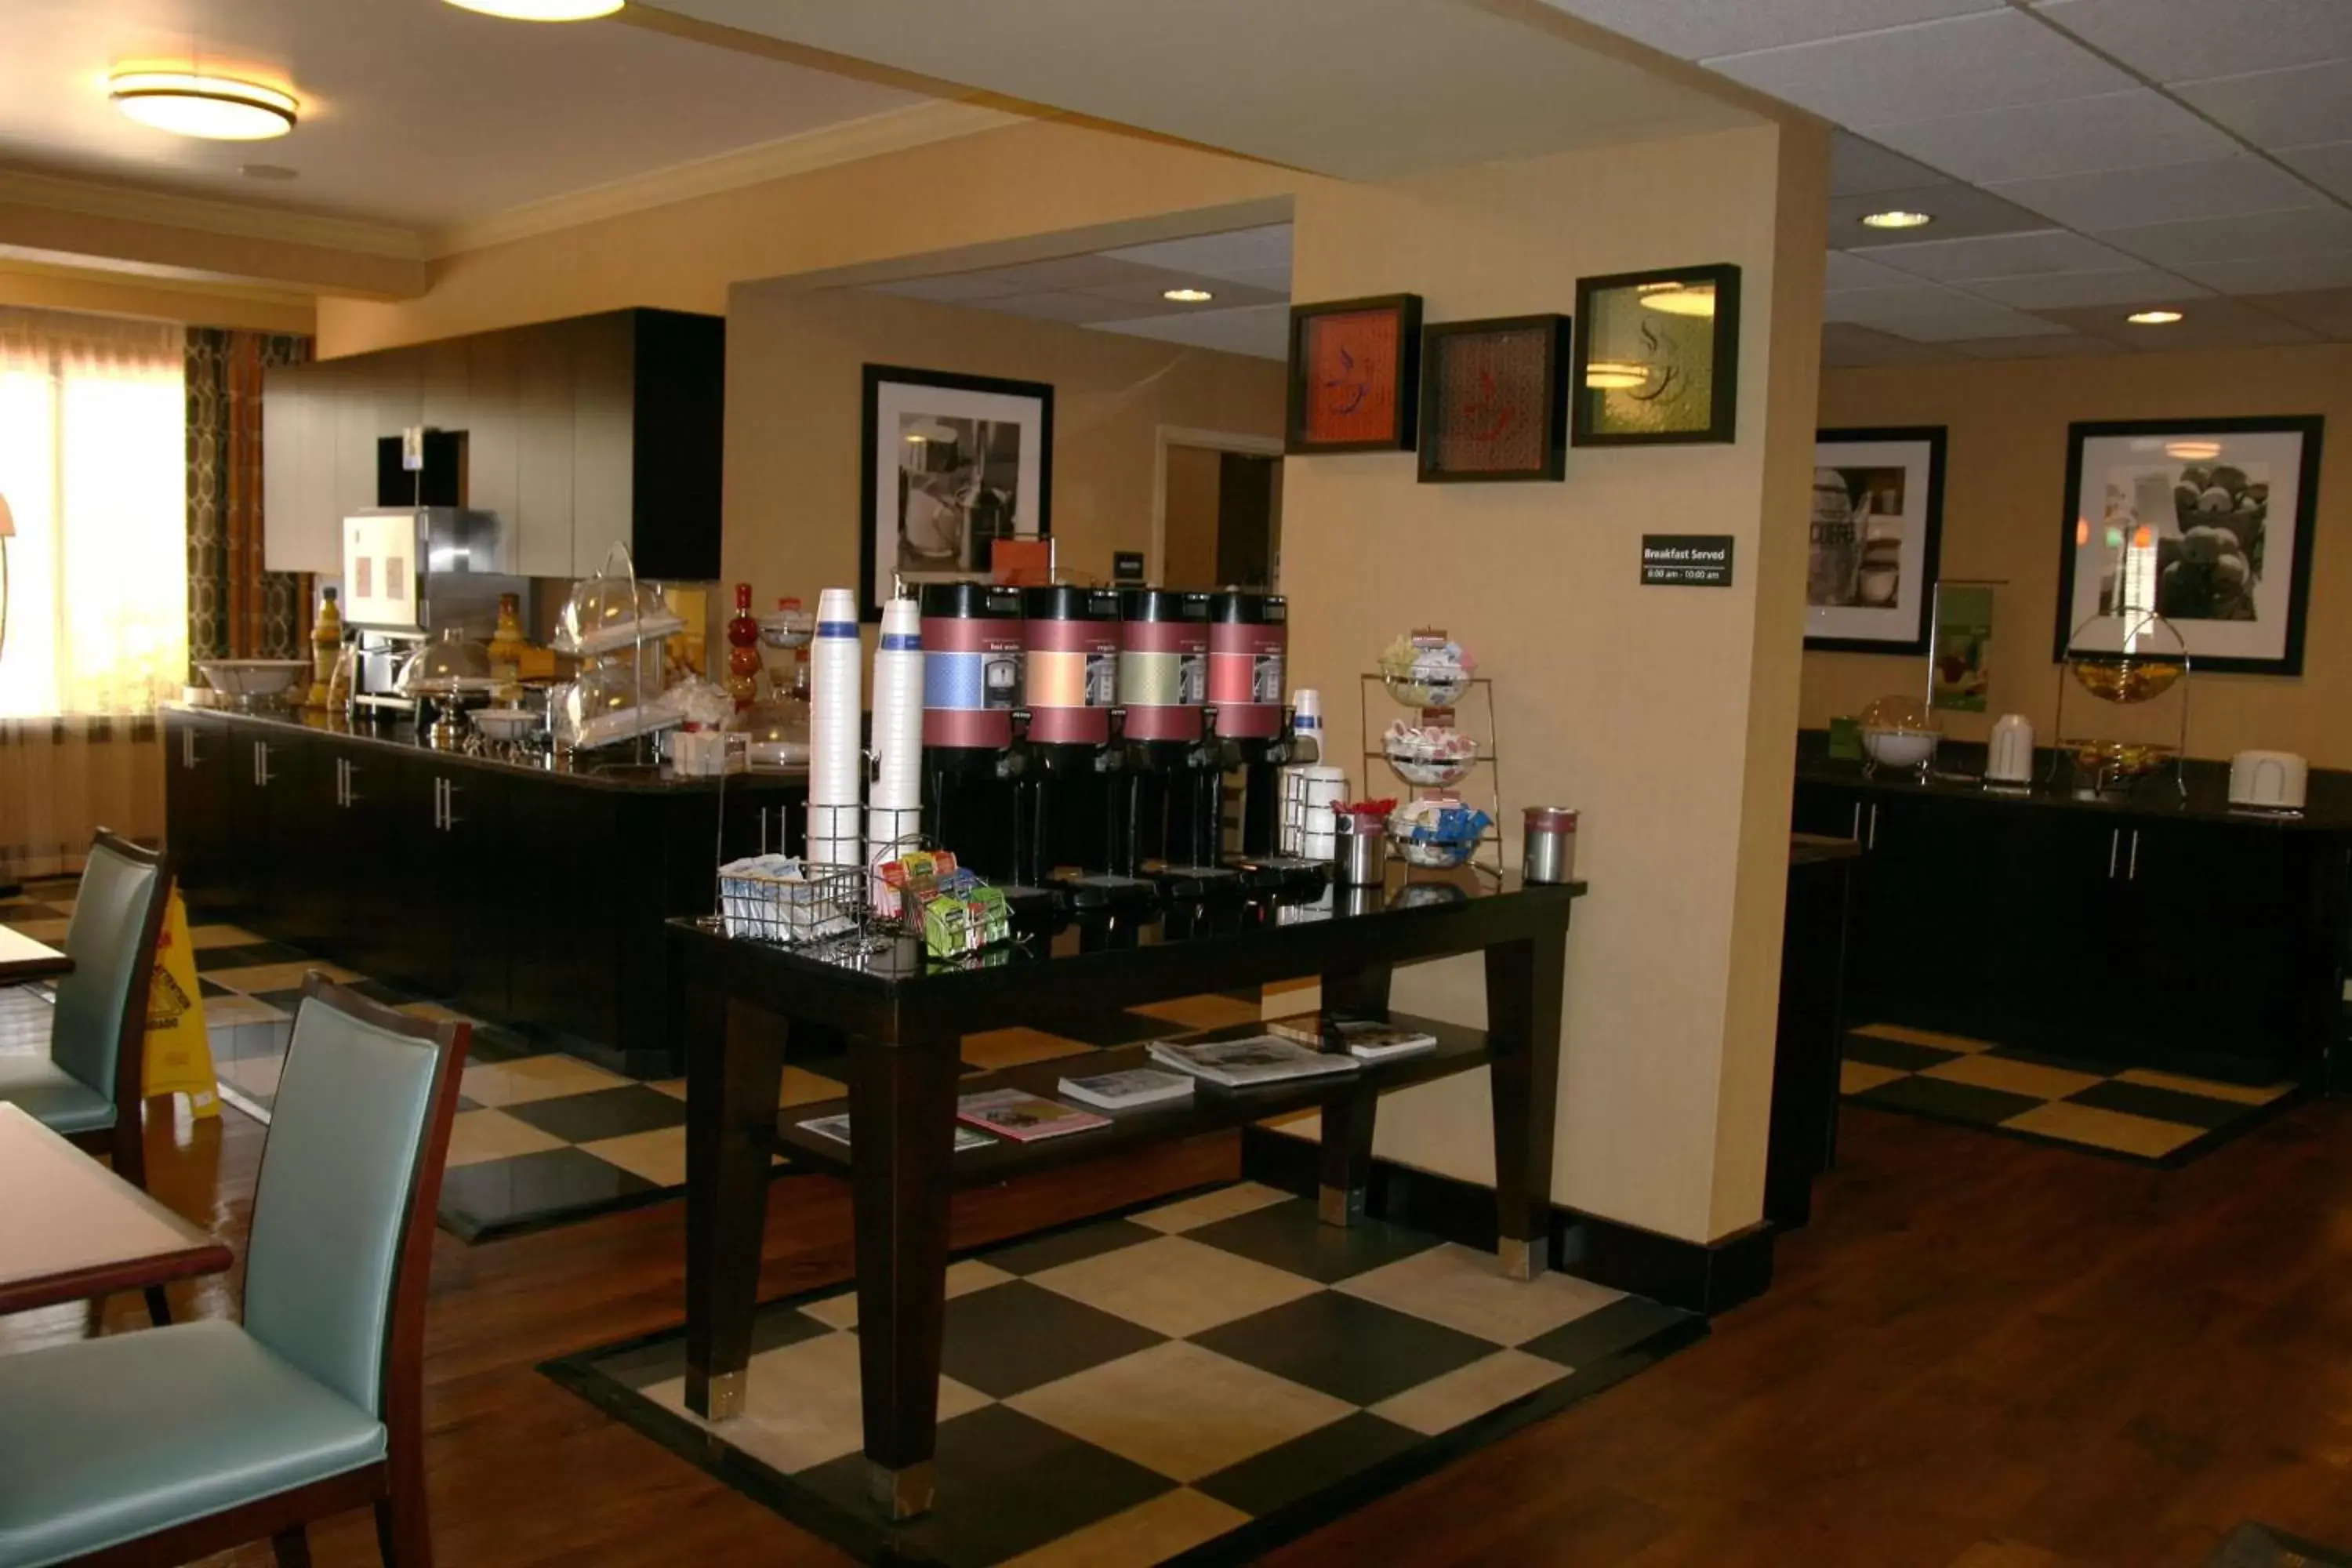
{"x":179,"y":1052}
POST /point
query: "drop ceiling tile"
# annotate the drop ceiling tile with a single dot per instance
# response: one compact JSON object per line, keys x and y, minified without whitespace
{"x":2186,"y":40}
{"x":954,"y":289}
{"x":1073,"y":272}
{"x":2207,"y":323}
{"x":2274,"y":274}
{"x":2123,"y":198}
{"x":1885,"y":307}
{"x":1997,"y":59}
{"x":2283,"y":108}
{"x":2328,"y":165}
{"x":1962,"y":212}
{"x":1848,"y":272}
{"x":1858,"y":167}
{"x":1695,"y":28}
{"x":1846,"y":346}
{"x":2127,"y":286}
{"x":2046,"y":346}
{"x":2001,"y":256}
{"x":1262,"y":332}
{"x":1224,"y":255}
{"x":2325,"y":310}
{"x":2076,"y":136}
{"x":1151,"y":292}
{"x":2310,"y":231}
{"x":1271,"y":279}
{"x":1076,"y":309}
{"x":1979,"y":320}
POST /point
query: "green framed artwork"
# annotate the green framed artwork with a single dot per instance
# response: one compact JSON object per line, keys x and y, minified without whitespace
{"x":1657,"y":357}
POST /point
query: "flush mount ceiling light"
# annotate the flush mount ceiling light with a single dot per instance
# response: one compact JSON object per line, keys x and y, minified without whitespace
{"x":1614,"y":376}
{"x":541,"y":10}
{"x":1896,"y":218}
{"x":217,"y":107}
{"x":1187,"y":296}
{"x":2153,"y":318}
{"x":1679,"y":298}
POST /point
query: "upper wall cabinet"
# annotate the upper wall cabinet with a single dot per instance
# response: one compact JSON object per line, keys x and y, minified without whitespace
{"x":577,"y":434}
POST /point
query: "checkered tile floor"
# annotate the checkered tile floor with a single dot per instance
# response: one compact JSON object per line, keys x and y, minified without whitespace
{"x":2139,"y":1114}
{"x":1137,"y":1388}
{"x":542,"y":1137}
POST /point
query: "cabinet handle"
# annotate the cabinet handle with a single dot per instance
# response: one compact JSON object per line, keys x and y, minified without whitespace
{"x":1856,"y":833}
{"x":436,"y":804}
{"x":2115,"y":845}
{"x":448,"y":805}
{"x":188,"y":749}
{"x":351,"y":793}
{"x":1873,"y":827}
{"x":261,"y":763}
{"x":2133,"y":873}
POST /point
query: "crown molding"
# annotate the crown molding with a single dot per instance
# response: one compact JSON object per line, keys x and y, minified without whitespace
{"x":894,"y":130}
{"x":91,"y":199}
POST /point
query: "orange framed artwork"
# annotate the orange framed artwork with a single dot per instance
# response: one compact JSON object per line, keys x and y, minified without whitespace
{"x":1354,"y":374}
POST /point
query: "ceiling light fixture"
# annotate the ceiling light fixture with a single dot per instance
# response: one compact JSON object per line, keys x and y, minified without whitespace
{"x":1679,"y":298}
{"x":2153,"y":318}
{"x":217,"y":107}
{"x":1896,"y":217}
{"x":1187,"y":296}
{"x":541,"y":10}
{"x":1614,"y":376}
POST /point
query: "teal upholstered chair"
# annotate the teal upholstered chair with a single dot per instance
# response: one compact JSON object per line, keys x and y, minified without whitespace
{"x":162,"y":1447}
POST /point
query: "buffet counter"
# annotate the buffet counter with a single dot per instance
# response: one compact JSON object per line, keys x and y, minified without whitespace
{"x":531,"y":896}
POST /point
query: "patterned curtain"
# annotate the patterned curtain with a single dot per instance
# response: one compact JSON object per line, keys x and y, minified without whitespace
{"x":236,"y":610}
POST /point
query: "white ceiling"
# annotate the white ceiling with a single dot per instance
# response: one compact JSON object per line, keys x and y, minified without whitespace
{"x":1248,"y":270}
{"x":2083,"y":159}
{"x":1356,"y":89}
{"x":415,"y":113}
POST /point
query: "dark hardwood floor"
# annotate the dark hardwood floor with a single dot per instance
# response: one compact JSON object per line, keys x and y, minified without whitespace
{"x":1983,"y":1354}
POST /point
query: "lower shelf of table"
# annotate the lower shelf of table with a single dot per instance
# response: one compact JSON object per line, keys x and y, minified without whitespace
{"x":1209,"y":1108}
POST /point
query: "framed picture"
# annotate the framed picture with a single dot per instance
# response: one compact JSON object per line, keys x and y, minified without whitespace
{"x":1877,"y":527}
{"x":953,"y":463}
{"x":2209,"y":518}
{"x":1354,"y":369}
{"x":1493,"y":402}
{"x":1657,"y":357}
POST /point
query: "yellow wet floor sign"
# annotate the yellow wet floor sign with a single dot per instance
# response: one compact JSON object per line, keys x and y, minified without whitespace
{"x":179,"y":1051}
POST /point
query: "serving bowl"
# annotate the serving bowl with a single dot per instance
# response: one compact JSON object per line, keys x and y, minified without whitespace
{"x":1428,"y":686}
{"x":507,"y":724}
{"x":252,"y":679}
{"x":1433,"y":759}
{"x":1900,"y":748}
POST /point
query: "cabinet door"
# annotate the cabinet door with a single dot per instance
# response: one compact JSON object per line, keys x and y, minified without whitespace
{"x":298,"y":534}
{"x":369,"y":897}
{"x":604,"y":436}
{"x":1831,"y":811}
{"x":543,"y":426}
{"x":265,"y":824}
{"x":1925,"y":907}
{"x":566,"y":930}
{"x":441,"y":382}
{"x":492,"y":429}
{"x":355,"y":435}
{"x":473,"y":884}
{"x":197,"y":763}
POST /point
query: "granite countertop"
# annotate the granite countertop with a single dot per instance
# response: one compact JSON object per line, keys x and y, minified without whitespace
{"x":590,"y":772}
{"x":1959,"y":774}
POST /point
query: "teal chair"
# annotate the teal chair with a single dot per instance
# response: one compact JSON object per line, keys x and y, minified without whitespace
{"x":91,"y":1086}
{"x":167,"y":1446}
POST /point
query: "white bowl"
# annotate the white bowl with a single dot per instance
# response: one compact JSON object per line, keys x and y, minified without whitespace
{"x":1900,"y":748}
{"x":506,"y":723}
{"x":251,"y":677}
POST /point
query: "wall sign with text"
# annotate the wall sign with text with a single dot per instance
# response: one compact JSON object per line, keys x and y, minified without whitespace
{"x":1687,"y":560}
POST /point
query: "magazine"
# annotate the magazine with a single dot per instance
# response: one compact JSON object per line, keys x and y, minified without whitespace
{"x":1127,"y":1091}
{"x":837,"y":1128}
{"x":1022,"y":1117}
{"x":1245,"y":1063}
{"x":1371,"y":1039}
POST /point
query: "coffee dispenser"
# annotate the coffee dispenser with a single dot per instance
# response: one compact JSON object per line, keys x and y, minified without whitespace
{"x":1070,"y":678}
{"x":1173,"y":781}
{"x":974,"y":775}
{"x":1248,"y":636}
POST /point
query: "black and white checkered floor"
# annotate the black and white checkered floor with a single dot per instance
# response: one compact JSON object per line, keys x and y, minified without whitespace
{"x":1195,"y":1382}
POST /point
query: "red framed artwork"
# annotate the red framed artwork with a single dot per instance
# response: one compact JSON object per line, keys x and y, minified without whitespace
{"x":1493,"y":400}
{"x":1354,"y":374}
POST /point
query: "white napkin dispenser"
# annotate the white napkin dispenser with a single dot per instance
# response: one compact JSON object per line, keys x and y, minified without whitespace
{"x":2268,"y":780}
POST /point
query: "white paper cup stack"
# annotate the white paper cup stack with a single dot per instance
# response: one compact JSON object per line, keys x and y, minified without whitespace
{"x":837,"y":716}
{"x":894,"y":817}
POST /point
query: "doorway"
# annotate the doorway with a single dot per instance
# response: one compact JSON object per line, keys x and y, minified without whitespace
{"x":1217,"y":521}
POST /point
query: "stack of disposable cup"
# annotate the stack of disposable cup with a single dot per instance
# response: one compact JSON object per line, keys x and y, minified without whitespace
{"x":894,"y":813}
{"x":837,"y":713}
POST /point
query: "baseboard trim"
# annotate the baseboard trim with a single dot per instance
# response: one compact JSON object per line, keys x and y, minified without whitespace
{"x":1709,"y":1277}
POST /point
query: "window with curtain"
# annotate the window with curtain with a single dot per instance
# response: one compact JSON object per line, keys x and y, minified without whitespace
{"x":93,"y":462}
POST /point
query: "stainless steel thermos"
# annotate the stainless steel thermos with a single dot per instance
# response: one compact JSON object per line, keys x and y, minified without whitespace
{"x":1549,"y":852}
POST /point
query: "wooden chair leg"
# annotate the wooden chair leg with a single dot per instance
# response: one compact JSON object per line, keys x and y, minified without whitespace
{"x":159,"y":1307}
{"x":402,"y":1534}
{"x":292,"y":1546}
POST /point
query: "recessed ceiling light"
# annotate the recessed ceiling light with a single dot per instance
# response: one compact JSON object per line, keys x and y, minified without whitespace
{"x":265,"y":171}
{"x":1614,"y":376}
{"x":2153,"y":318}
{"x":1896,"y":218}
{"x":1187,"y":296}
{"x":219,"y":107}
{"x":541,"y":10}
{"x":1679,"y":298}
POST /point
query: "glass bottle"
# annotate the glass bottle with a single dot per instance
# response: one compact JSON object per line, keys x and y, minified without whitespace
{"x":507,"y":643}
{"x":326,"y":642}
{"x":743,"y":651}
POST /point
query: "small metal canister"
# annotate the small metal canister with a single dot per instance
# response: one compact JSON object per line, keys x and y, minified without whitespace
{"x":1548,"y":853}
{"x":1363,"y":846}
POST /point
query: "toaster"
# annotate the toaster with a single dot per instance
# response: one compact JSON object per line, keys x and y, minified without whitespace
{"x":2268,"y":780}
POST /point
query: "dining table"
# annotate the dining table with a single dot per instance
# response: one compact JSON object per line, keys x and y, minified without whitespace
{"x":75,"y":1231}
{"x":23,"y":959}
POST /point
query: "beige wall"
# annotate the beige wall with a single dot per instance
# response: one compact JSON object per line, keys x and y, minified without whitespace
{"x":2006,"y":513}
{"x":795,"y":404}
{"x":1190,"y":553}
{"x":192,"y":304}
{"x":1663,"y":714}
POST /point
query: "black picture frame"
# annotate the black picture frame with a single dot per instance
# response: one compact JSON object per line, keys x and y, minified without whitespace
{"x":2311,"y":431}
{"x":1551,"y":415}
{"x":1723,"y":406}
{"x":879,"y":376}
{"x":1933,"y":437}
{"x":1405,"y":390}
